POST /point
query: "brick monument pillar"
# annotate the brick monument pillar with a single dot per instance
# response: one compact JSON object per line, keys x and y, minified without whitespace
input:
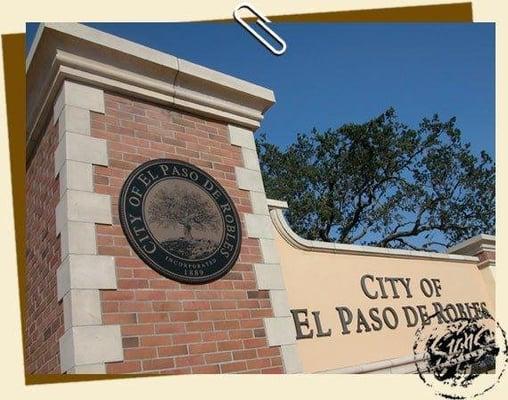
{"x":483,"y":247}
{"x":99,"y":107}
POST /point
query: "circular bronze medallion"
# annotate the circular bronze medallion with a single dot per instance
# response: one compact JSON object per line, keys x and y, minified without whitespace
{"x":180,"y":221}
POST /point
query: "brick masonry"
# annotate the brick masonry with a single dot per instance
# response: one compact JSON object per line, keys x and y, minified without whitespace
{"x":486,"y":255}
{"x":168,"y":327}
{"x":44,"y":323}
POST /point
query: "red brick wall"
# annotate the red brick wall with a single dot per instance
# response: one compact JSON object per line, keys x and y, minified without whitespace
{"x":44,"y":314}
{"x":168,"y":327}
{"x":487,"y":255}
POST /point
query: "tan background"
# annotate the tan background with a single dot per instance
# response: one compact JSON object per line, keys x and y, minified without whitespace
{"x":323,"y":281}
{"x":227,"y":387}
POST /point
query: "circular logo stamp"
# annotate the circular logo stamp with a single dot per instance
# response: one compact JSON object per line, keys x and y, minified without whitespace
{"x":180,"y":221}
{"x":460,"y":356}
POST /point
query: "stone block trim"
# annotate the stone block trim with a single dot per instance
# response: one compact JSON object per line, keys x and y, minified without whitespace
{"x":269,"y":277}
{"x":77,"y":238}
{"x":89,"y":369}
{"x":75,"y":175}
{"x":280,"y":304}
{"x":75,"y":120}
{"x":291,"y":359}
{"x":258,"y":226}
{"x":86,"y":344}
{"x":280,"y":331}
{"x":241,"y":137}
{"x":77,"y":147}
{"x":79,"y":96}
{"x":250,"y":159}
{"x":85,"y":272}
{"x":80,"y":206}
{"x":81,"y":307}
{"x":259,"y":203}
{"x":270,"y":251}
{"x":249,"y":179}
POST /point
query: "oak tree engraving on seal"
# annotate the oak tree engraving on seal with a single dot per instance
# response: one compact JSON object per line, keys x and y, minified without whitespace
{"x":195,"y":215}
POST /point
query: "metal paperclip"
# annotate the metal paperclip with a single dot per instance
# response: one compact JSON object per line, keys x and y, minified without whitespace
{"x":263,"y":25}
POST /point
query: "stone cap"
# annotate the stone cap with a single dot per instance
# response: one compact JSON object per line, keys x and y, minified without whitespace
{"x":478,"y":244}
{"x":71,"y":51}
{"x":281,"y":225}
{"x":272,"y":204}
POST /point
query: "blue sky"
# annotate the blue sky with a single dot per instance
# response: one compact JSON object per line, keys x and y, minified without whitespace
{"x":337,"y":73}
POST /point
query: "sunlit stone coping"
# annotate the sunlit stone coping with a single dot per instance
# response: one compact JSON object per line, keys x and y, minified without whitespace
{"x":75,"y":52}
{"x":400,"y":365}
{"x":280,"y":223}
{"x":475,"y":245}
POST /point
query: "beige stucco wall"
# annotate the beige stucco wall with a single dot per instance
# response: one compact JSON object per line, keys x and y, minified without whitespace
{"x":320,"y":281}
{"x":488,"y":274}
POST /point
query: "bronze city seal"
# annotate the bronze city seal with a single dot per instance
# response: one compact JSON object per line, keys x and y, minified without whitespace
{"x":180,"y":221}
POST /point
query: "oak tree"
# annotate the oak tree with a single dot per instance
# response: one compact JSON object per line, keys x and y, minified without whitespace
{"x":383,"y":183}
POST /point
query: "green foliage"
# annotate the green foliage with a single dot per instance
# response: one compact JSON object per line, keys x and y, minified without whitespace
{"x":383,"y":183}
